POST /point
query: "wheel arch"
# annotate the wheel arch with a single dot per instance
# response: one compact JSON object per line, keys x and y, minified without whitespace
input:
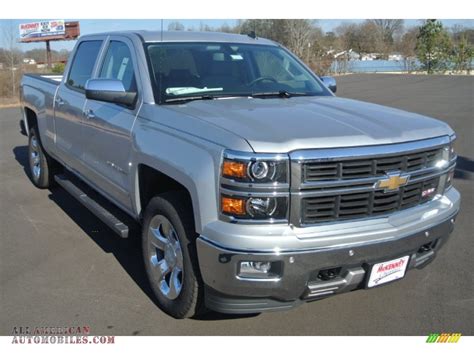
{"x":152,"y":180}
{"x":30,"y":118}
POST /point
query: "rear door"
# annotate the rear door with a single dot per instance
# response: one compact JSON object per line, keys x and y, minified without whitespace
{"x":107,"y":126}
{"x":70,"y":100}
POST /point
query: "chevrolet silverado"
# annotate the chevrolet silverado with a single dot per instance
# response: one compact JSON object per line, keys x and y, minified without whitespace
{"x":254,"y":187}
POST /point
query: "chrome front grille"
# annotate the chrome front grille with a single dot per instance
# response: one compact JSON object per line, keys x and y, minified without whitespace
{"x":369,"y":167}
{"x":328,"y":208}
{"x":342,"y":184}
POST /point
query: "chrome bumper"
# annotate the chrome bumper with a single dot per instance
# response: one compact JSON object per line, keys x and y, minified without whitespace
{"x":298,"y":281}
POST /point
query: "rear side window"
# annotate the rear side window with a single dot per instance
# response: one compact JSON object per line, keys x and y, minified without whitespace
{"x":118,"y":65}
{"x":83,"y":64}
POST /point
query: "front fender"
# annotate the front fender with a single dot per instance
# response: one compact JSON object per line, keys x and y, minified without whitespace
{"x":192,"y":162}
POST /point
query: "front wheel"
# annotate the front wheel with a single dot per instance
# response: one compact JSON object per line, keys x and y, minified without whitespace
{"x":168,"y":242}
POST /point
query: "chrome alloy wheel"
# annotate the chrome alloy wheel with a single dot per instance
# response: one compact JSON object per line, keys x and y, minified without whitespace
{"x":166,"y":257}
{"x":35,"y":158}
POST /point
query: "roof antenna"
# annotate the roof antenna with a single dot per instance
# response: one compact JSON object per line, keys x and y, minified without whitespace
{"x":252,"y":34}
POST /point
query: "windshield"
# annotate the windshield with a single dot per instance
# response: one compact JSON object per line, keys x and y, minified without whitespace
{"x":211,"y":70}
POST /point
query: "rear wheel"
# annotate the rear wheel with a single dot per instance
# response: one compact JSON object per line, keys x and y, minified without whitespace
{"x":42,"y":167}
{"x":168,"y":241}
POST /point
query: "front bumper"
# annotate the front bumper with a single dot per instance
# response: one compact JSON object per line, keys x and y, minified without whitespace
{"x":299,"y":278}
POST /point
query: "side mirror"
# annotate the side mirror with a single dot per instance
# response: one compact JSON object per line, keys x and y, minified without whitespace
{"x":109,"y":90}
{"x":330,"y":83}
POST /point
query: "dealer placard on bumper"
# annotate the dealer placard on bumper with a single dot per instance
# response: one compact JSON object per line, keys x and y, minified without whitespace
{"x":388,"y":271}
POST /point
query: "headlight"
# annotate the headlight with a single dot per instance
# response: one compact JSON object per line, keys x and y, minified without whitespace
{"x":452,"y":148}
{"x":448,"y":154}
{"x":255,"y":168}
{"x":254,"y":187}
{"x":452,"y":156}
{"x":447,"y":161}
{"x":260,"y":170}
{"x":259,"y":208}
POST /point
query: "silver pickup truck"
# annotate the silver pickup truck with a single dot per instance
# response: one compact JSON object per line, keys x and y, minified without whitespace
{"x":255,"y":188}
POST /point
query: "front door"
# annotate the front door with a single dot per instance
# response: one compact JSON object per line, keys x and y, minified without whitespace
{"x":107,"y":126}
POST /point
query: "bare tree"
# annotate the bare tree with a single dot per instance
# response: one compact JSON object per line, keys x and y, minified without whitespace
{"x":262,"y":28}
{"x":459,"y":32}
{"x":321,"y":55}
{"x":361,"y":38}
{"x":456,"y":32}
{"x":296,"y":34}
{"x":11,"y":54}
{"x":299,"y":37}
{"x":370,"y":40}
{"x":388,"y":28}
{"x":225,"y":27}
{"x":204,"y":27}
{"x":407,"y":48}
{"x":330,"y":40}
{"x":175,"y":26}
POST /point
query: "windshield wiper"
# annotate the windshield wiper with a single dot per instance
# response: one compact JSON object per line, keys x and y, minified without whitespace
{"x":280,"y":93}
{"x":204,"y":97}
{"x":190,"y":98}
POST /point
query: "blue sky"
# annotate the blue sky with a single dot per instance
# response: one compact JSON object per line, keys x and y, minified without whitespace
{"x":95,"y":26}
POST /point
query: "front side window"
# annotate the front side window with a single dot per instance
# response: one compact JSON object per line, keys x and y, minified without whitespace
{"x":83,"y":64}
{"x":118,"y":65}
{"x":213,"y":70}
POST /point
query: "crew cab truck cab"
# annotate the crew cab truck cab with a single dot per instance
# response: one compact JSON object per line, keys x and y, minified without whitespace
{"x":255,"y":187}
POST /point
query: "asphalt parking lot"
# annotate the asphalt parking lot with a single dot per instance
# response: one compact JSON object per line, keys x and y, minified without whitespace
{"x":60,"y":266}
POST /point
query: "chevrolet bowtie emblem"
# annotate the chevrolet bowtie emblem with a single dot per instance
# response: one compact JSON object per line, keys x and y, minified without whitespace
{"x":392,"y":181}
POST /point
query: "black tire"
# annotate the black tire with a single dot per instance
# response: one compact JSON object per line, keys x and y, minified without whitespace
{"x":177,"y":209}
{"x":41,"y":167}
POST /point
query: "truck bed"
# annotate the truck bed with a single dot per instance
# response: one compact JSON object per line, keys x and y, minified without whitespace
{"x":50,"y":78}
{"x":37,"y":93}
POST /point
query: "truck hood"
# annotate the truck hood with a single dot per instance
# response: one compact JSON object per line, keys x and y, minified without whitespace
{"x":283,"y":125}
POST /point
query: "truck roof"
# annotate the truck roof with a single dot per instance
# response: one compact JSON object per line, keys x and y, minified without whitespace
{"x":190,"y":36}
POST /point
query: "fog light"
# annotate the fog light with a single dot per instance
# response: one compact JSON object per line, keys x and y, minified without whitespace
{"x":264,"y":270}
{"x":260,"y":206}
{"x":255,"y":267}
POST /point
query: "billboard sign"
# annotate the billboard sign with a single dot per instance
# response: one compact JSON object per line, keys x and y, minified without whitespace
{"x":42,"y":29}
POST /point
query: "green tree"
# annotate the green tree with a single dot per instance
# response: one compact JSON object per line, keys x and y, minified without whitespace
{"x":58,"y":68}
{"x":433,"y":46}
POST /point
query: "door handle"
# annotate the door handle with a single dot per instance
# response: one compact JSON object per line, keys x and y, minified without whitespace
{"x":59,"y":101}
{"x":89,"y":114}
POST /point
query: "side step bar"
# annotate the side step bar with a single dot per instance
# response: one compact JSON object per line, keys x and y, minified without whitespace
{"x":104,"y":215}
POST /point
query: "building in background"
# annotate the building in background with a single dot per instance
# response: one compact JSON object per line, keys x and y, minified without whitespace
{"x":29,"y":61}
